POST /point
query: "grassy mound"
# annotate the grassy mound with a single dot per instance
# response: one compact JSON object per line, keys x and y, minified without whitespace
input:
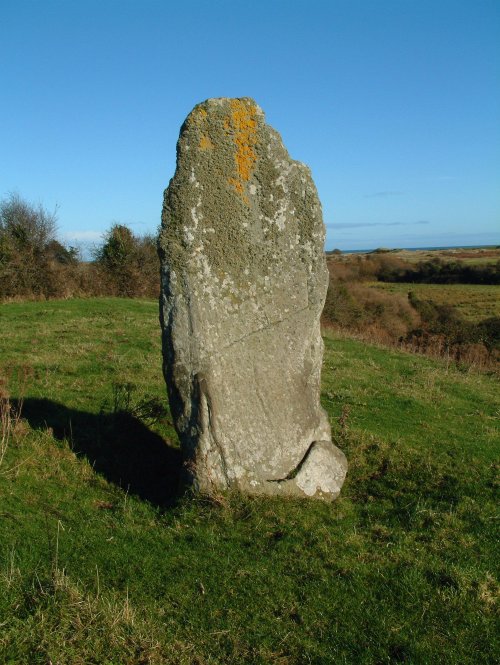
{"x":101,"y":560}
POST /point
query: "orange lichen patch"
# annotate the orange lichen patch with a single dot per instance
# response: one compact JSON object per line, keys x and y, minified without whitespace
{"x":244,"y":125}
{"x":238,"y":186}
{"x":206,"y":143}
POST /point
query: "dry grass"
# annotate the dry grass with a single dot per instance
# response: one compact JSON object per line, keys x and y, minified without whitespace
{"x":11,"y":425}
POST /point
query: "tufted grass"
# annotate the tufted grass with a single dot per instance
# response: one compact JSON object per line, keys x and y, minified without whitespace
{"x":100,"y":566}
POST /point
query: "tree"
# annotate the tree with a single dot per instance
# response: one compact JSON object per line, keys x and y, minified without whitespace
{"x":117,"y":252}
{"x":25,"y":232}
{"x":130,"y":263}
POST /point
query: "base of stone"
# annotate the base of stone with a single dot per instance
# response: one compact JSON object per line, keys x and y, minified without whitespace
{"x":320,"y":475}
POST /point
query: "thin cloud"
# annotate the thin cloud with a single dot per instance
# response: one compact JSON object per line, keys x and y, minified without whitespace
{"x":359,"y":225}
{"x":382,"y":194}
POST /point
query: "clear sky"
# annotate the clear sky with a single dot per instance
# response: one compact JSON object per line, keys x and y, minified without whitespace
{"x":394,"y":104}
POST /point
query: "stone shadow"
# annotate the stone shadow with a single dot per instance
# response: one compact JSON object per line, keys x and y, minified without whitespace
{"x":118,"y":445}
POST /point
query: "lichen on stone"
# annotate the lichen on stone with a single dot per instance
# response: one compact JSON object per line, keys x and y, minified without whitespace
{"x":206,"y":143}
{"x":241,"y":125}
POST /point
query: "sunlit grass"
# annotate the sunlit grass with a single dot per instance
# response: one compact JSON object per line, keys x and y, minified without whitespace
{"x":401,"y":568}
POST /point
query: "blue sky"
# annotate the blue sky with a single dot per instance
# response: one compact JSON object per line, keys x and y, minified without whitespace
{"x":394,"y":104}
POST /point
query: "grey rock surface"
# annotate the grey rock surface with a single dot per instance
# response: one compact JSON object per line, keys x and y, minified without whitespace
{"x":244,"y":281}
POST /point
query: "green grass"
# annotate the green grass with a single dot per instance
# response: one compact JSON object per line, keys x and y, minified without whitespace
{"x":474,"y":302}
{"x":101,"y":562}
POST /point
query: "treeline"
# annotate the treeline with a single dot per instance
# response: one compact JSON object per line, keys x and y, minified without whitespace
{"x":437,"y":271}
{"x":35,"y":264}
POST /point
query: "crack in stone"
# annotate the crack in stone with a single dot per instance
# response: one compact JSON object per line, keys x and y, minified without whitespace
{"x":254,"y":332}
{"x":205,"y":394}
{"x":294,"y":472}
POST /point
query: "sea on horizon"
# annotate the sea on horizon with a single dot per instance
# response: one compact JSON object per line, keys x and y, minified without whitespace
{"x":412,"y":249}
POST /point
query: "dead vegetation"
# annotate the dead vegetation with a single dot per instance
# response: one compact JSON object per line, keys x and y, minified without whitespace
{"x":355,"y":306}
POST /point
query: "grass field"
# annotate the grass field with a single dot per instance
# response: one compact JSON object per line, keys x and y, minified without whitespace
{"x":102,"y":562}
{"x":474,"y":302}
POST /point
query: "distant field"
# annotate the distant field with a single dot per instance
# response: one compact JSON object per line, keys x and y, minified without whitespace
{"x":468,"y":256}
{"x":484,"y":256}
{"x":474,"y":301}
{"x":101,"y":562}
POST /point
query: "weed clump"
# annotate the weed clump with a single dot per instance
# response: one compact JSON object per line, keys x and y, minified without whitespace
{"x":11,"y":424}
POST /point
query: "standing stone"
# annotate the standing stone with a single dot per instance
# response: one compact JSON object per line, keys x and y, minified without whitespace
{"x":244,"y":281}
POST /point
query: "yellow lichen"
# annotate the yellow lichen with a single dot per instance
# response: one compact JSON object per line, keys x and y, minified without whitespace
{"x":206,"y":143}
{"x":243,"y":123}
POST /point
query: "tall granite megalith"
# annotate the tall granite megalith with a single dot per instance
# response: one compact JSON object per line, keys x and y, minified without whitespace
{"x":244,"y":281}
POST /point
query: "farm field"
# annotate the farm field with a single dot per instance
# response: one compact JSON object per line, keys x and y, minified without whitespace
{"x":474,"y":302}
{"x":102,"y":561}
{"x":468,"y":255}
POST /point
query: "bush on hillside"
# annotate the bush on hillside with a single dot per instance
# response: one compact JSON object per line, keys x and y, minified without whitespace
{"x":366,"y":267}
{"x":446,"y":321}
{"x":362,"y":309}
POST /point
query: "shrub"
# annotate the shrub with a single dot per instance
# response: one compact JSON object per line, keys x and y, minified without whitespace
{"x":341,"y":309}
{"x":365,"y":310}
{"x":128,"y":264}
{"x":444,"y":332}
{"x":26,"y":232}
